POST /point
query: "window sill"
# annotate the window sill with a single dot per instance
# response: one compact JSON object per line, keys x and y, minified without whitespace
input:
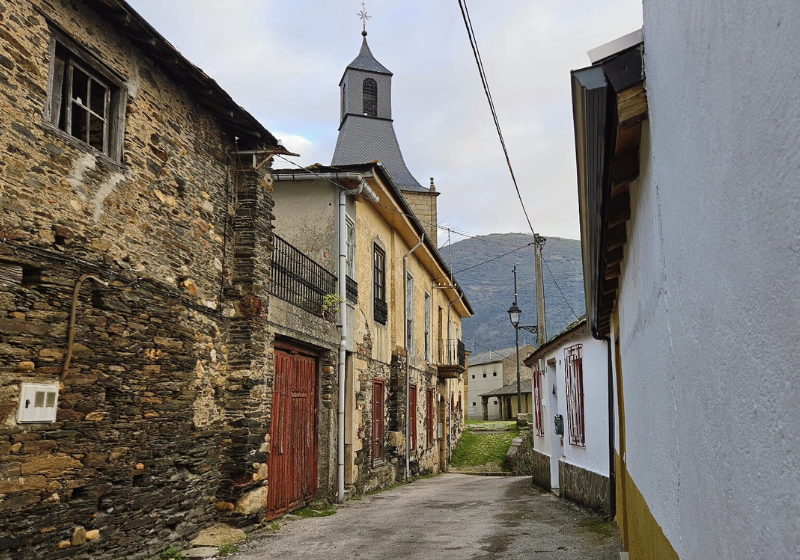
{"x":73,"y":142}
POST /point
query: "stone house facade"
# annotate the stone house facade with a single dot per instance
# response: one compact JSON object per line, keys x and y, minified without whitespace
{"x":379,"y":233}
{"x":136,"y":362}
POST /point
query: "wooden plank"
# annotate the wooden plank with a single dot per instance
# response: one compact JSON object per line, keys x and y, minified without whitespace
{"x":613,"y":271}
{"x":616,"y":237}
{"x":614,"y":256}
{"x":625,"y":167}
{"x":632,"y":106}
{"x":620,"y":210}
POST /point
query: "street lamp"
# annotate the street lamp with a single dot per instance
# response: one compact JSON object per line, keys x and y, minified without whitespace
{"x":514,"y":314}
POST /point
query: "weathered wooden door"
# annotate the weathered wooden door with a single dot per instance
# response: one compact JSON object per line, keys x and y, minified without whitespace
{"x":378,"y":420}
{"x":293,"y":433}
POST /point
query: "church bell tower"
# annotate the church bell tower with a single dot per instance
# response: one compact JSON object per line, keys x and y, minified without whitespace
{"x":366,"y":131}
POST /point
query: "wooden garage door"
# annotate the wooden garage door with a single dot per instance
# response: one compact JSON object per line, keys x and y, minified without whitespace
{"x":293,"y":433}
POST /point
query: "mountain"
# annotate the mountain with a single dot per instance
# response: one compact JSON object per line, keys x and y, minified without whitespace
{"x":490,"y":287}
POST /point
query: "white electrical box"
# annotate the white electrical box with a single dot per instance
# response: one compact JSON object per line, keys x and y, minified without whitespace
{"x":38,"y":402}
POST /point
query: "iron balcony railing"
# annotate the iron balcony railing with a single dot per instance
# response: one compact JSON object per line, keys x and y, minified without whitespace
{"x":298,"y":279}
{"x":451,"y":353}
{"x":352,"y":290}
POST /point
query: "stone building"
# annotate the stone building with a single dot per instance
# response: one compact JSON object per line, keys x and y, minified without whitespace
{"x":571,"y":455}
{"x":136,"y":358}
{"x":402,"y":338}
{"x":686,"y":138}
{"x":491,"y":371}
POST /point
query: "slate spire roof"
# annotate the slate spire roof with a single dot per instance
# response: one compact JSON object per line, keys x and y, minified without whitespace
{"x":364,"y":138}
{"x":365,"y":61}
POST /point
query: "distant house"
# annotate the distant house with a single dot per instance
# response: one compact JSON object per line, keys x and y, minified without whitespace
{"x":687,"y":147}
{"x":490,"y":371}
{"x":571,"y":456}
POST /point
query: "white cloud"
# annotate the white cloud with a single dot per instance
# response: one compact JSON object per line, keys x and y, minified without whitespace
{"x":283,"y":60}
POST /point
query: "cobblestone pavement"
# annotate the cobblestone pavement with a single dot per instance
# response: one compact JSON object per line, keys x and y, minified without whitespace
{"x":449,"y":516}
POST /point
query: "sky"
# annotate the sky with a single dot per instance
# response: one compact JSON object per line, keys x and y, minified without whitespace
{"x":282,"y":61}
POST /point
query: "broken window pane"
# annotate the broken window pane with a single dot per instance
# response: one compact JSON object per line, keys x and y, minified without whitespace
{"x":96,"y":132}
{"x":78,"y":128}
{"x":80,"y":86}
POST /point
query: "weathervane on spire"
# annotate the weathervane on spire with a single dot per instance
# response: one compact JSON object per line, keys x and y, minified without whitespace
{"x":364,"y":17}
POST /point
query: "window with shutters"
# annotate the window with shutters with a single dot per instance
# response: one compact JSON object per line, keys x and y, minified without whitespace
{"x":370,"y":98}
{"x":537,"y":399}
{"x":378,"y":420}
{"x":573,"y":370}
{"x":85,"y":100}
{"x":427,"y":327}
{"x":410,"y":314}
{"x":380,"y":308}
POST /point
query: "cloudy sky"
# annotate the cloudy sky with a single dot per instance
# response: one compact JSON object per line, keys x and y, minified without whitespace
{"x":282,"y":61}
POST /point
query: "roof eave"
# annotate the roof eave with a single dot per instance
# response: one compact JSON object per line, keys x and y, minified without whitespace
{"x":128,"y":22}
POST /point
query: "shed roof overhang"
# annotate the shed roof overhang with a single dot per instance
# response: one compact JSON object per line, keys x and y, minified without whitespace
{"x":609,"y":104}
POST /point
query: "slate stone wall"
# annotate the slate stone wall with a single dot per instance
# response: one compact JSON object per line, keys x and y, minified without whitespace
{"x":584,"y":487}
{"x":540,"y":469}
{"x":163,"y":416}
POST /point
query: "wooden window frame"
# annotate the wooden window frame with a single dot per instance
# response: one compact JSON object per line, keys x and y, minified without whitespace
{"x":378,"y":422}
{"x":573,"y":375}
{"x":380,"y":307}
{"x":65,"y":56}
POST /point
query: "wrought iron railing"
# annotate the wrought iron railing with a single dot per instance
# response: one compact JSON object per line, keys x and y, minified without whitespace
{"x":298,"y":279}
{"x":451,"y":353}
{"x":352,"y":290}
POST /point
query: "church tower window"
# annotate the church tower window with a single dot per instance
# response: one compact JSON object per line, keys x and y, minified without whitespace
{"x":370,"y":98}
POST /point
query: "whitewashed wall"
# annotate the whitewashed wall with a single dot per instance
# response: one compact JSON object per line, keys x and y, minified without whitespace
{"x":593,"y":457}
{"x":480,"y":385}
{"x":710,"y":293}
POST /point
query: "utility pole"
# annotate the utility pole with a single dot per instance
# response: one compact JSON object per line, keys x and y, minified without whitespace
{"x":541,"y":335}
{"x":516,"y":334}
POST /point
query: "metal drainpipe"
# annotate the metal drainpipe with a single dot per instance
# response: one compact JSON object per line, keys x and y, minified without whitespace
{"x":405,"y":344}
{"x":364,"y":188}
{"x":342,"y":340}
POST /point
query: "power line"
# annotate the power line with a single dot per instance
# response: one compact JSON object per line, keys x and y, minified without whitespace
{"x":492,"y":259}
{"x":476,"y":52}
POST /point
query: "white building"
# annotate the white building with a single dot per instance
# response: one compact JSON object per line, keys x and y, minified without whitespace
{"x":570,"y":381}
{"x":492,"y":370}
{"x":688,"y":152}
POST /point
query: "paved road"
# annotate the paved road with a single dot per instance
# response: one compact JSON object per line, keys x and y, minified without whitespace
{"x":449,"y":516}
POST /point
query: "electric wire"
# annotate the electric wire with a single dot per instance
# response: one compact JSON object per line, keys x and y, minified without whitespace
{"x":476,"y":52}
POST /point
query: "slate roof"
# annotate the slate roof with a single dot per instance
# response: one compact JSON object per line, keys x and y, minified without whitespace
{"x":496,"y":356}
{"x":525,"y":386}
{"x":365,"y":61}
{"x":366,"y":139}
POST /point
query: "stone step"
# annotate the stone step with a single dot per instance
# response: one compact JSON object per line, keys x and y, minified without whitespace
{"x":201,"y":552}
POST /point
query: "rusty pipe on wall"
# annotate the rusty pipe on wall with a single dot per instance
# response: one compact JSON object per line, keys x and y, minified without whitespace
{"x":71,"y":329}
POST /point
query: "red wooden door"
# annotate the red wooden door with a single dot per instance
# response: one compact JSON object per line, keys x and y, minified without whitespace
{"x":412,"y":416}
{"x":378,"y":420}
{"x":293,"y":434}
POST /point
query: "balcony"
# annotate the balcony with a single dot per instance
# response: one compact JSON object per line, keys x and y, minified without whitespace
{"x":452,"y":359}
{"x":298,"y":279}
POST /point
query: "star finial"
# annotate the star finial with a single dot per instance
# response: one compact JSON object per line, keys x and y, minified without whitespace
{"x":364,"y":17}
